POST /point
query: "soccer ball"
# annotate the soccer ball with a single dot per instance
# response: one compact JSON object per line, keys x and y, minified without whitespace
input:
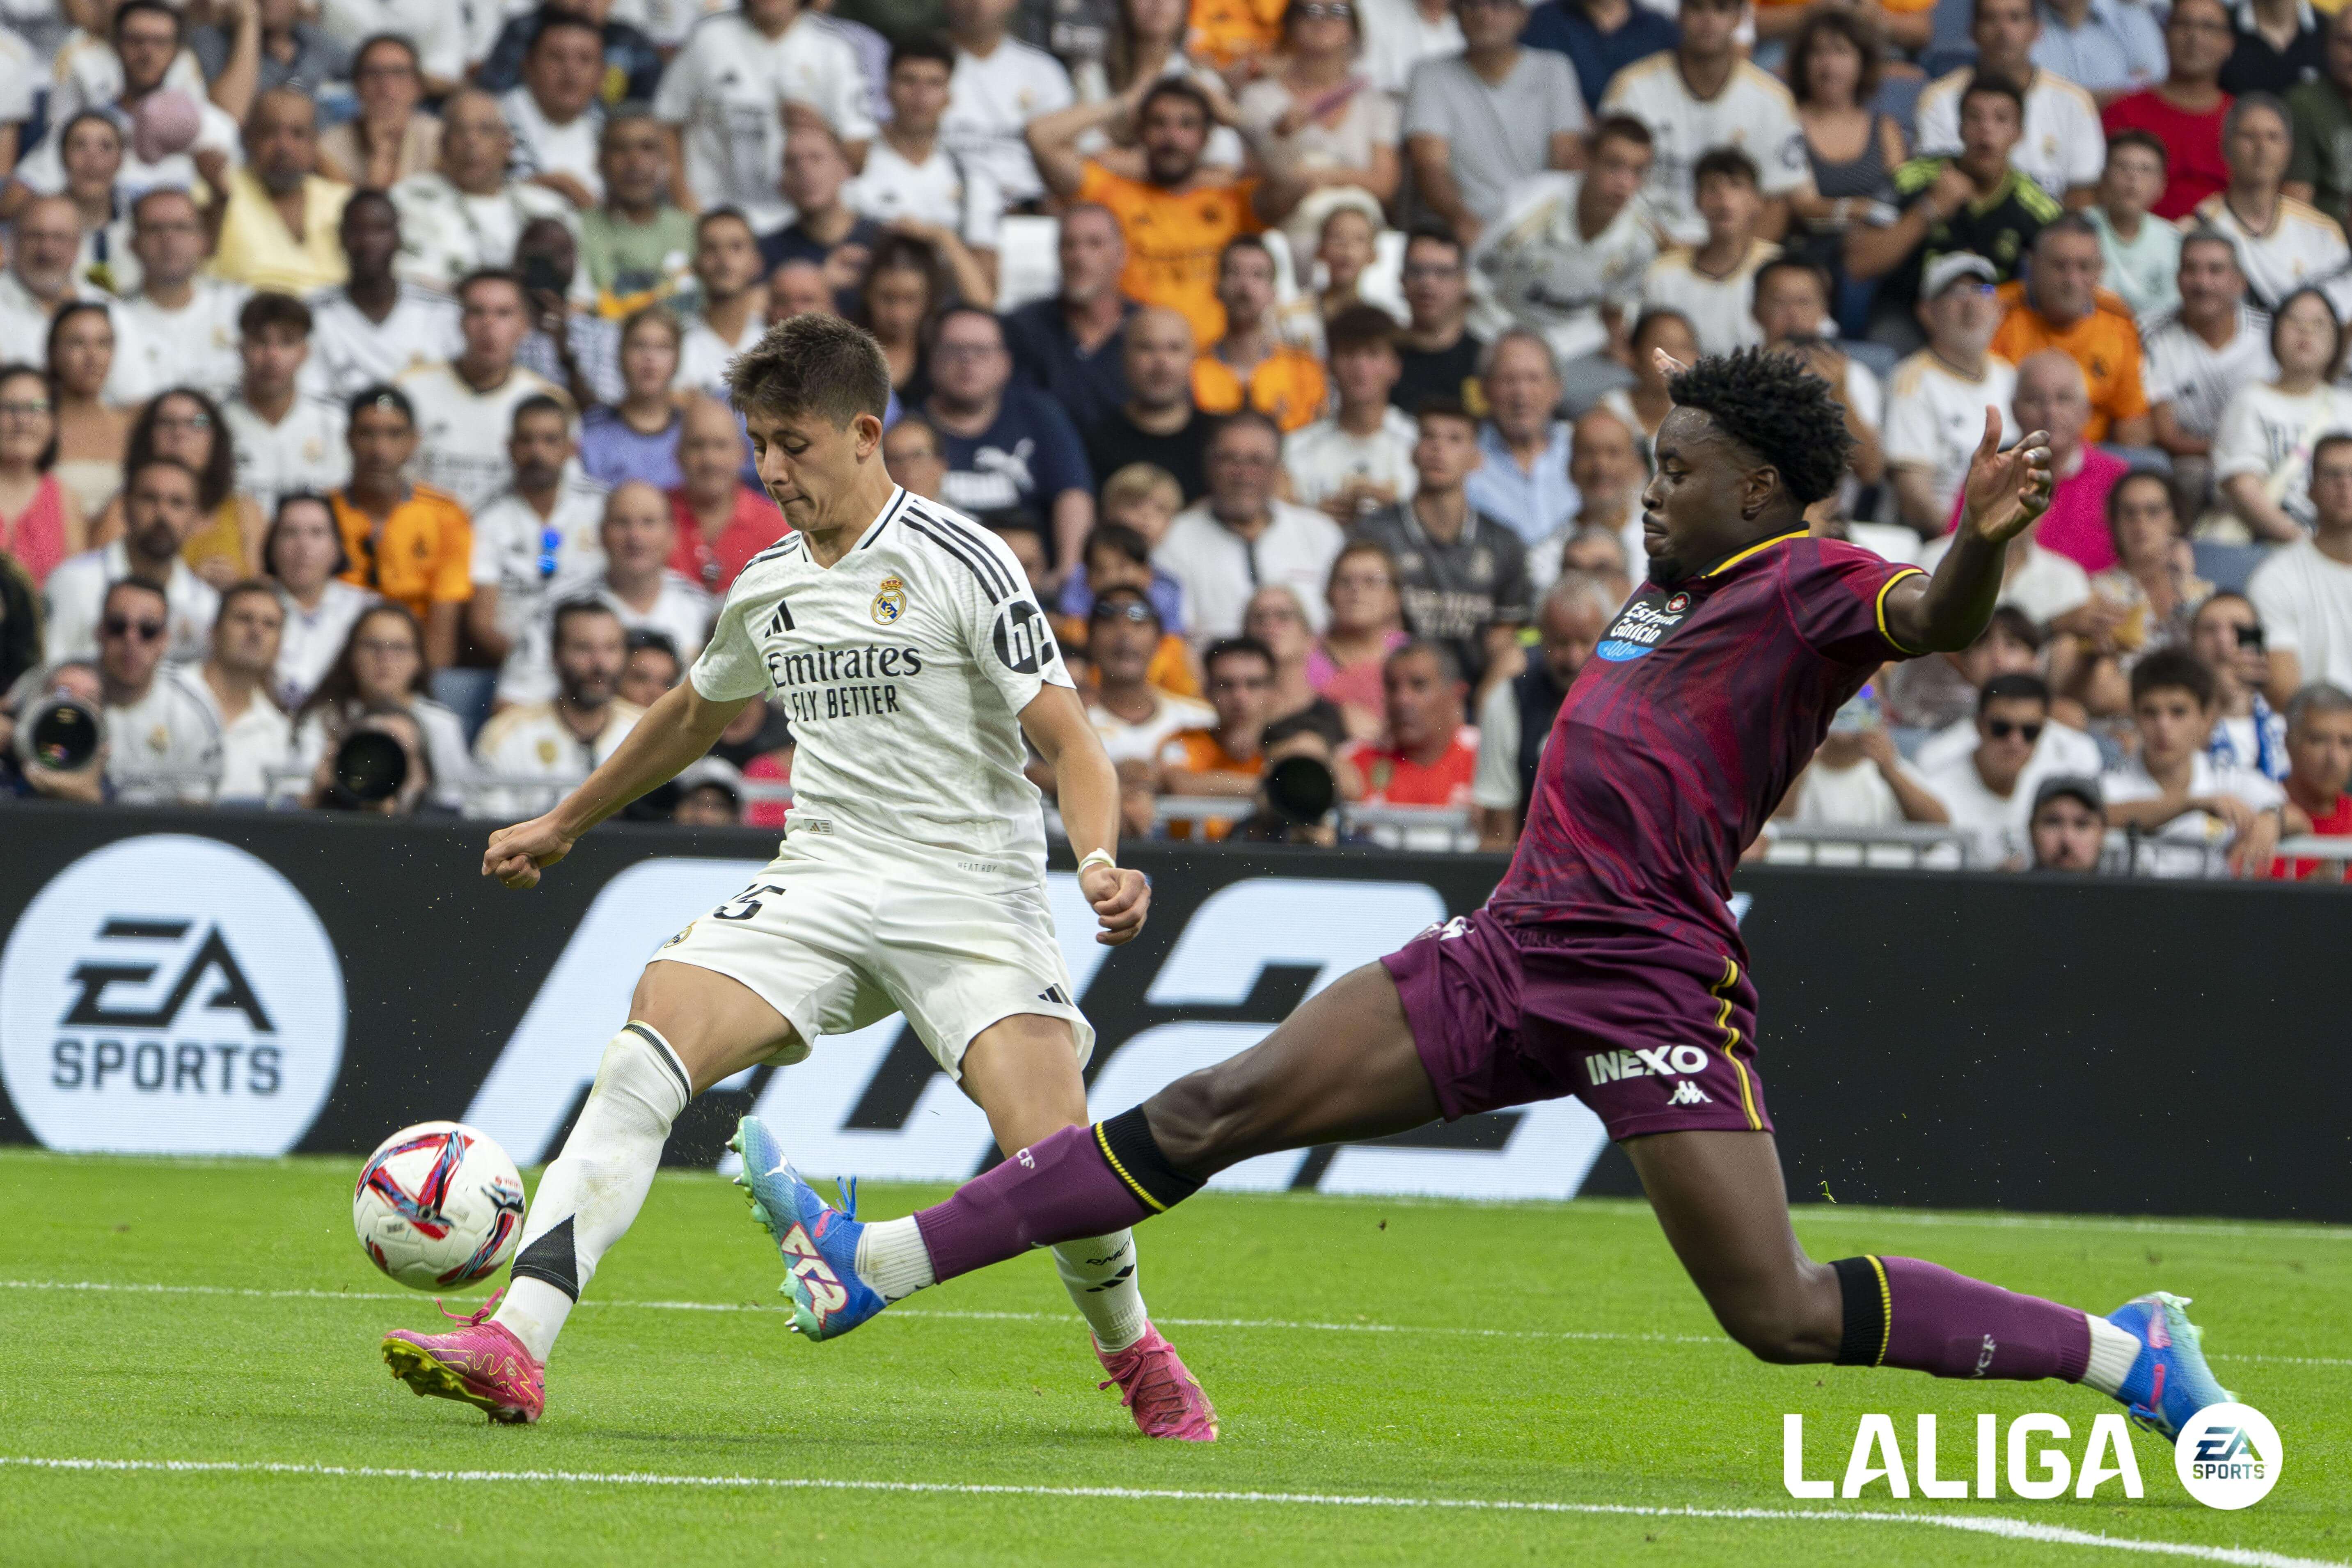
{"x":439,"y":1206}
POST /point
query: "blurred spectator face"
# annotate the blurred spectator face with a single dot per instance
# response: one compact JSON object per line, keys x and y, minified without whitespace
{"x":131,"y":641}
{"x":967,"y":18}
{"x":2227,"y":634}
{"x":281,"y":141}
{"x":385,"y":78}
{"x":2004,"y":31}
{"x":709,"y":451}
{"x":637,"y":535}
{"x":2331,"y":486}
{"x":2306,"y":334}
{"x":1522,"y":388}
{"x":1491,"y":24}
{"x":246,"y":633}
{"x":1159,"y":359}
{"x":1446,"y":452}
{"x":1028,"y":547}
{"x":726,"y":258}
{"x":705,"y":805}
{"x":798,"y":289}
{"x":2339,"y":50}
{"x":1594,"y":549}
{"x":382,"y":441}
{"x":562,"y":71}
{"x":1241,"y":688}
{"x":1708,"y":27}
{"x":547,"y":240}
{"x":1148,"y":514}
{"x":912,"y":454}
{"x":1363,"y":594}
{"x":184,"y":430}
{"x":2210,"y":283}
{"x":649,"y":357}
{"x":2319,"y":754}
{"x":1989,"y":129}
{"x":897,"y":299}
{"x":495,"y":323}
{"x":28,"y":421}
{"x":1122,"y":637}
{"x":2172,"y":725}
{"x":634,"y":162}
{"x":1789,"y":304}
{"x":1366,"y":373}
{"x":303,"y":547}
{"x":1245,"y":287}
{"x":2257,"y":150}
{"x":1241,"y":462}
{"x":2134,"y":178}
{"x":1570,"y":627}
{"x":47,"y":240}
{"x":1174,"y":132}
{"x":83,"y":353}
{"x":1108,"y":569}
{"x":1961,"y":321}
{"x":475,"y":142}
{"x":371,"y":236}
{"x":2007,"y":729}
{"x":540,"y":447}
{"x":1435,"y":287}
{"x":1275,"y":618}
{"x":159,"y":510}
{"x":2068,"y":836}
{"x":814,"y":170}
{"x":1604,"y":464}
{"x":93,"y":155}
{"x":589,"y":652}
{"x":2051,"y":396}
{"x":168,"y":237}
{"x":1729,"y":205}
{"x":1999,"y":651}
{"x":968,"y":364}
{"x":1346,"y":247}
{"x":2064,"y":273}
{"x":651,"y":671}
{"x":1617,"y":167}
{"x":385,"y":658}
{"x":272,"y":357}
{"x":147,"y":43}
{"x":1423,"y":706}
{"x":918,"y":95}
{"x":772,"y":16}
{"x":1093,"y":251}
{"x":2145,"y":528}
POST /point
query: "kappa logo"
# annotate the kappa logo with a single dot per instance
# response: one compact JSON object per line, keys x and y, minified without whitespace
{"x":1659,"y":1061}
{"x":1688,"y":1093}
{"x":1984,"y":1357}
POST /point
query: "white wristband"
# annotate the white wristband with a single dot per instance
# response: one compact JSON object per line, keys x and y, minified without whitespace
{"x":1096,"y":858}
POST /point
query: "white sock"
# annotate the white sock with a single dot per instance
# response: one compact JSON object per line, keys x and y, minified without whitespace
{"x":892,"y":1258}
{"x":591,"y":1194}
{"x":2113,"y":1352}
{"x":1099,"y":1274}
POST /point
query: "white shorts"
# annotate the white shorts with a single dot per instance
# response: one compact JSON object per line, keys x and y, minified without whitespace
{"x":836,"y":939}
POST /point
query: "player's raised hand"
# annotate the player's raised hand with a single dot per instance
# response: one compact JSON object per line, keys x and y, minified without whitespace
{"x":1121,"y":898}
{"x":518,"y":854}
{"x":2005,"y":491}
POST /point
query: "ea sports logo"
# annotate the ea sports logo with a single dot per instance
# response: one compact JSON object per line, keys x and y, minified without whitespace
{"x":2227,"y":1455}
{"x":1023,"y":639}
{"x":170,"y":995}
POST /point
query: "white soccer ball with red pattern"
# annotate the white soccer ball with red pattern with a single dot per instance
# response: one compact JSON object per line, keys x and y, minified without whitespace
{"x":439,"y":1206}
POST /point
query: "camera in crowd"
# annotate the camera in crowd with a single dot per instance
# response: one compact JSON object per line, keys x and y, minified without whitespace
{"x":61,"y":732}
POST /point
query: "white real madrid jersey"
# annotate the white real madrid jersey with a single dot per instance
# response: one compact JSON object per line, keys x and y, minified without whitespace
{"x":903,"y":668}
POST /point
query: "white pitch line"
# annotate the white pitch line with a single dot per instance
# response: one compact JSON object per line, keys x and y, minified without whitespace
{"x":1285,"y":1324}
{"x":1987,"y":1524}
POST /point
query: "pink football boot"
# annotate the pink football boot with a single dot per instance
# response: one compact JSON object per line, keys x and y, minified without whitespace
{"x":1164,"y":1398}
{"x":479,"y":1362}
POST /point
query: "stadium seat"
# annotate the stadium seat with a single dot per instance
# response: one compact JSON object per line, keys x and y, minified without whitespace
{"x":2154,"y":457}
{"x":1897,"y":97}
{"x":2227,"y":565}
{"x":1028,"y":260}
{"x":1949,"y":47}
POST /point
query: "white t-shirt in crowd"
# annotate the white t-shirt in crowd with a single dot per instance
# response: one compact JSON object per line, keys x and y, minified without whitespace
{"x":1935,"y":418}
{"x":992,"y":99}
{"x":1496,"y":134}
{"x":541,"y":146}
{"x":2304,"y":245}
{"x":446,"y":233}
{"x":510,"y":542}
{"x":1752,"y":112}
{"x":1721,"y":309}
{"x":1996,"y":825}
{"x":462,"y":434}
{"x":165,"y":747}
{"x":349,"y":352}
{"x":1857,"y":797}
{"x":76,"y":594}
{"x":24,"y":326}
{"x":2304,"y":598}
{"x":2178,"y":367}
{"x":1495,"y":780}
{"x":261,"y":738}
{"x":534,"y":743}
{"x":313,"y":638}
{"x":1397,"y":37}
{"x":306,"y":450}
{"x":1140,"y":742}
{"x":193,"y":346}
{"x":2193,"y":844}
{"x":725,"y":89}
{"x":943,"y":190}
{"x":2064,"y":144}
{"x":437,"y":28}
{"x":2045,"y":584}
{"x":681,"y":611}
{"x":1219,"y":570}
{"x":703,"y":355}
{"x":2270,"y":433}
{"x":2145,"y":272}
{"x":1540,"y":272}
{"x":1322,"y":458}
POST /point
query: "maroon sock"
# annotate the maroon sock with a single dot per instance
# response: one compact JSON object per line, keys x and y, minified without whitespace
{"x":1902,"y":1312}
{"x":1058,"y":1189}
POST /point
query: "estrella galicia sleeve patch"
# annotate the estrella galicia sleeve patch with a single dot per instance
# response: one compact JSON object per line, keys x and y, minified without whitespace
{"x":1643,"y":623}
{"x":1023,"y":641}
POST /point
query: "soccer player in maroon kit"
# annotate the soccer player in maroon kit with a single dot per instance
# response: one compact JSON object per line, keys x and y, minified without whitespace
{"x":1607,"y":963}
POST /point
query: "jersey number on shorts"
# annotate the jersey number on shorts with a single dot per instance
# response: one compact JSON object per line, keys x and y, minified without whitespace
{"x":745,"y":904}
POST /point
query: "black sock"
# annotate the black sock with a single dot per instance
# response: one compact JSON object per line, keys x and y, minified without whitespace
{"x":1127,"y":1141}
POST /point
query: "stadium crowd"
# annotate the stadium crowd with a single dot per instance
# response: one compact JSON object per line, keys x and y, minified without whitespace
{"x":364,"y":359}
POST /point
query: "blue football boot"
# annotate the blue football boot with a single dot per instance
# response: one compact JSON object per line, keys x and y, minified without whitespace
{"x":2170,"y":1382}
{"x":819,"y":1242}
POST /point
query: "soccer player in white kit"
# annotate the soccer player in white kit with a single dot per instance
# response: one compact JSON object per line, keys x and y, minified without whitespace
{"x":905,"y":644}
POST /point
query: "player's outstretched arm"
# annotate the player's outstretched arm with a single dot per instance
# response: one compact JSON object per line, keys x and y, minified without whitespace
{"x":2003,"y":494}
{"x":680,"y":726}
{"x":1087,"y":788}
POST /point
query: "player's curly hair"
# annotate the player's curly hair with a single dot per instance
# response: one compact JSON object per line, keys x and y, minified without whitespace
{"x":1770,"y":403}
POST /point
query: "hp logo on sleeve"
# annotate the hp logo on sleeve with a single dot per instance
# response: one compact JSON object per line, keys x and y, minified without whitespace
{"x":1023,"y":641}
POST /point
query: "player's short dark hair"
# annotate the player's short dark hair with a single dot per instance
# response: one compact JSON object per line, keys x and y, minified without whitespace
{"x":923,"y":47}
{"x":1243,"y":646}
{"x":1119,"y":540}
{"x":1443,"y":407}
{"x":264,"y":310}
{"x":1359,"y":329}
{"x":570,"y":609}
{"x":2174,"y":669}
{"x":2017,"y":687}
{"x":382,"y":395}
{"x":1449,"y":668}
{"x":1619,"y":128}
{"x":547,"y":19}
{"x":1778,"y":409}
{"x":1176,"y":86}
{"x":1725,"y":164}
{"x":1787,"y":263}
{"x":647,"y":639}
{"x":812,"y":364}
{"x":1999,"y":86}
{"x":538,"y":403}
{"x":2015,"y":625}
{"x":2146,"y":140}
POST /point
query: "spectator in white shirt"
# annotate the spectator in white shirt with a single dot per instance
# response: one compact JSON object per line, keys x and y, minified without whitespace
{"x":554,"y":115}
{"x":1857,"y":779}
{"x":162,"y":742}
{"x":159,"y":515}
{"x":2304,"y":592}
{"x":1988,"y":794}
{"x":1935,"y":416}
{"x":464,"y":409}
{"x":1492,"y":115}
{"x":91,"y":148}
{"x":2188,"y":815}
{"x":1000,"y":85}
{"x":2228,"y":634}
{"x":2063,"y":146}
{"x":375,"y":327}
{"x":234,"y":682}
{"x":466,"y":213}
{"x":183,"y":321}
{"x":1791,"y":308}
{"x":1239,"y":538}
{"x":39,"y":281}
{"x":1133,"y":717}
{"x":381,"y":665}
{"x":545,"y":527}
{"x":914,"y":183}
{"x":635,"y":584}
{"x":1713,"y":285}
{"x":2262,"y":449}
{"x":1360,"y":459}
{"x":304,"y":555}
{"x":2197,"y":355}
{"x":2069,"y":825}
{"x":2283,"y":243}
{"x":284,"y":437}
{"x":561,"y":741}
{"x":731,"y":317}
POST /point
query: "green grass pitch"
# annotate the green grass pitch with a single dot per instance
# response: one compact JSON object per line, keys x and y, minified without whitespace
{"x":1411,"y":1352}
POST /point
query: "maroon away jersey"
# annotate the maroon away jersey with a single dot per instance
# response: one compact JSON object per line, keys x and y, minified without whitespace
{"x":1682,"y":731}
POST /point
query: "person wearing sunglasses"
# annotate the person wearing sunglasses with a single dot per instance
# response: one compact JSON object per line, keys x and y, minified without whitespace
{"x":160,"y":512}
{"x":162,"y":741}
{"x":1988,"y":793}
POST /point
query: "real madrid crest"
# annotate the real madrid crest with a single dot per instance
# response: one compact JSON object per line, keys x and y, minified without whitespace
{"x":546,"y":752}
{"x":890,"y":603}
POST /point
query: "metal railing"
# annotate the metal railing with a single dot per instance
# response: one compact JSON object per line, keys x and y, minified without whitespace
{"x":1428,"y":827}
{"x":1907,"y":845}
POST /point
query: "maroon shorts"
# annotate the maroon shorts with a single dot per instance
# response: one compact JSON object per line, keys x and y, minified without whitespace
{"x":1653,"y":1036}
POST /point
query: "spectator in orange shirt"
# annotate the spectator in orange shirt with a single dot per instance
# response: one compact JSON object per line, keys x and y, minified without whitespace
{"x":2060,"y":305}
{"x":1226,"y":760}
{"x":1249,"y":364}
{"x":1179,"y":217}
{"x":1430,"y":753}
{"x":411,"y":544}
{"x":2319,"y":765}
